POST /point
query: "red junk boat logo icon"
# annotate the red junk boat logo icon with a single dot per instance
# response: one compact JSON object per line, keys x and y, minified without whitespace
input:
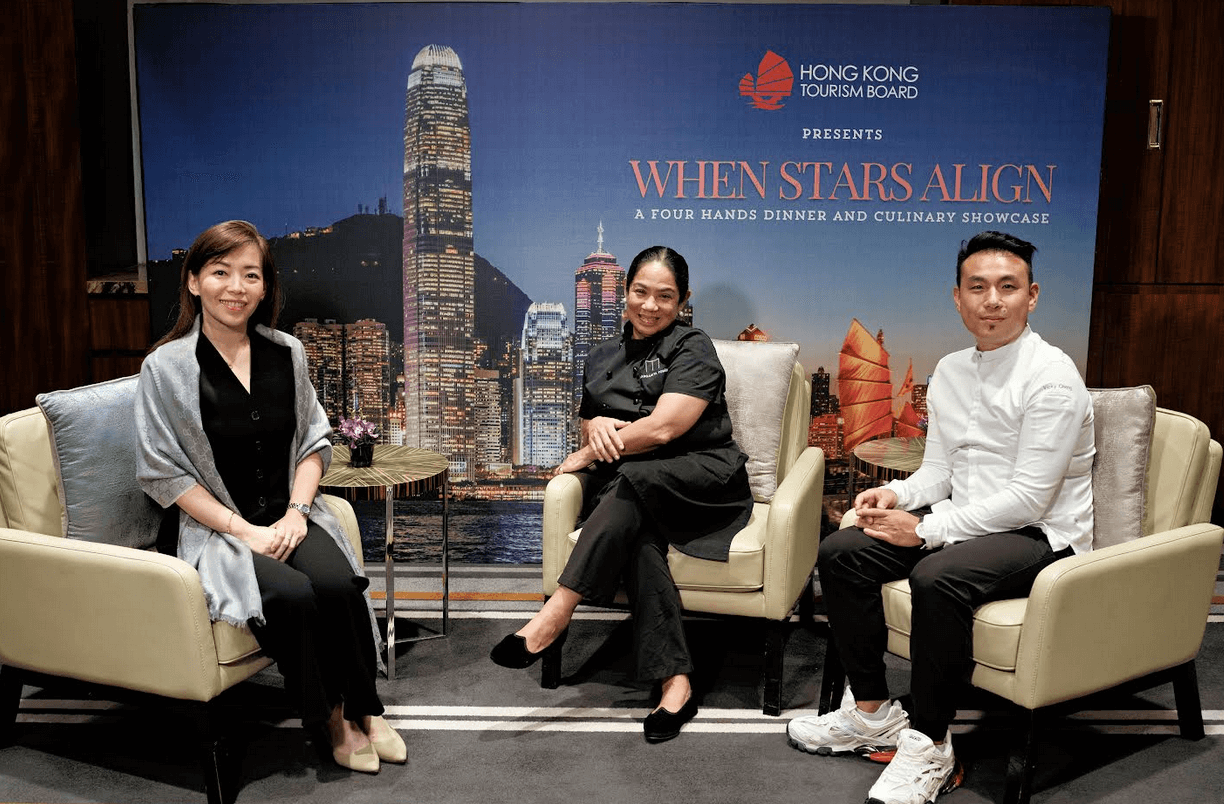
{"x":772,"y":82}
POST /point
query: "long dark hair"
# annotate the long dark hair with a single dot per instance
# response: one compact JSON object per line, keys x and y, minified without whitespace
{"x":213,"y":244}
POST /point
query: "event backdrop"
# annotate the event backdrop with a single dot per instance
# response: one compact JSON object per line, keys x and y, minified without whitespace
{"x":454,"y":190}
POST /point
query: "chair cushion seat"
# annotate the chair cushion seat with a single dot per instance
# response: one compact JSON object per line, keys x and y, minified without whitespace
{"x":996,"y":626}
{"x":743,"y":571}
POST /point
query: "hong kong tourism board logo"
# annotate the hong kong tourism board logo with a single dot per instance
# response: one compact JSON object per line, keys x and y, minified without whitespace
{"x":773,"y":82}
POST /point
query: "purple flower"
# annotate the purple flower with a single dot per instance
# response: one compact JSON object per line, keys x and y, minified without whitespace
{"x":357,"y":431}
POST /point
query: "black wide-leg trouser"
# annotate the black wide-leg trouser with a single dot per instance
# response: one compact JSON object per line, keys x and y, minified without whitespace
{"x":317,"y":628}
{"x":618,"y":542}
{"x":946,"y":585}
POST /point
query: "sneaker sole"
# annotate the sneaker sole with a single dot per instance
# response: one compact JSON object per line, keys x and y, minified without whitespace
{"x":865,"y":751}
{"x":955,"y":779}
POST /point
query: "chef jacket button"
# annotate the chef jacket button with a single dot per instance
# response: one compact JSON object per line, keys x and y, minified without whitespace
{"x":263,"y":501}
{"x":254,"y":415}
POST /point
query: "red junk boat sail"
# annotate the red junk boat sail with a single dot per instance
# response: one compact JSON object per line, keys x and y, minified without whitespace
{"x":864,"y":389}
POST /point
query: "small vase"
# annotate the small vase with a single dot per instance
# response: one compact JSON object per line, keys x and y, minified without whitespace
{"x":361,"y":455}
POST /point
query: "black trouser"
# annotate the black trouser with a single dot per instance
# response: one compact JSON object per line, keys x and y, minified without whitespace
{"x":947,"y":585}
{"x":618,"y":541}
{"x":318,"y":629}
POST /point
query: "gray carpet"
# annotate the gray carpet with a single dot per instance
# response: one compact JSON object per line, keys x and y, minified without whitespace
{"x":479,"y":733}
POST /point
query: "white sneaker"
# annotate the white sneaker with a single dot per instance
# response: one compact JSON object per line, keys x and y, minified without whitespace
{"x":918,"y":773}
{"x":846,"y":731}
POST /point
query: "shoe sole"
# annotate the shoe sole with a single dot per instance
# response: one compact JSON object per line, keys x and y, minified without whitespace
{"x":865,"y":751}
{"x":954,"y":780}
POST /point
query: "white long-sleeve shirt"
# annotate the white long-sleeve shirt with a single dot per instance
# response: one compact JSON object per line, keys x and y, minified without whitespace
{"x":1009,"y":444}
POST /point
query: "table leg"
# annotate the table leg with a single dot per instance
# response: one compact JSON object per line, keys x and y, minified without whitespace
{"x":445,"y":554}
{"x":389,"y":564}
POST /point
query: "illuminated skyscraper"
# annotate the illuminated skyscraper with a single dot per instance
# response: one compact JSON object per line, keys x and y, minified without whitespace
{"x":488,"y":415}
{"x":438,"y":261}
{"x":349,"y":368}
{"x":324,"y":347}
{"x":822,"y":401}
{"x":825,"y":431}
{"x":599,"y":302}
{"x":920,"y":397}
{"x":544,"y":385}
{"x":367,"y":372}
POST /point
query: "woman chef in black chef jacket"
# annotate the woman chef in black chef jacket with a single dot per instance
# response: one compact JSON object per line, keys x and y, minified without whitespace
{"x":663,"y":469}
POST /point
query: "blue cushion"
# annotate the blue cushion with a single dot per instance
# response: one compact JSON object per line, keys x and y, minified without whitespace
{"x":93,"y":434}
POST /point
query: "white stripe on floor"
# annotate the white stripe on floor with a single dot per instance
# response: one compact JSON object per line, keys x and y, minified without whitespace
{"x":608,"y":720}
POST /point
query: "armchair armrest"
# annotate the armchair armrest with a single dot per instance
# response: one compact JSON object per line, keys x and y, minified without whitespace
{"x":562,"y":505}
{"x":107,"y":614}
{"x":792,"y":533}
{"x":1115,"y":614}
{"x":342,"y":510}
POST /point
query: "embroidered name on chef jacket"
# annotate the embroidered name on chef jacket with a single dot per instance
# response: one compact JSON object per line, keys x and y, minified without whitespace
{"x":652,"y":367}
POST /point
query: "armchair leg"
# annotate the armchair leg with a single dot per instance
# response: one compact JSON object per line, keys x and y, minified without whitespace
{"x":1021,"y":762}
{"x":806,"y":607}
{"x":775,"y":650}
{"x":833,"y":677}
{"x":217,"y":762}
{"x":10,"y":702}
{"x":1186,"y":696}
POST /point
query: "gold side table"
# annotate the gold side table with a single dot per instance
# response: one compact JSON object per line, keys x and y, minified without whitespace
{"x":397,"y":472}
{"x":886,"y":459}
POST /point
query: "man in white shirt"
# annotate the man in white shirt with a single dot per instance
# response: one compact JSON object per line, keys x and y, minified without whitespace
{"x":1004,"y":489}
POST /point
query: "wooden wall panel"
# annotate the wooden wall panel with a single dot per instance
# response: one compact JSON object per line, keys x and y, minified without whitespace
{"x":119,"y":322}
{"x":1192,"y":216}
{"x":1128,"y":215}
{"x":43,"y":318}
{"x":1169,"y":344}
{"x":118,"y":334}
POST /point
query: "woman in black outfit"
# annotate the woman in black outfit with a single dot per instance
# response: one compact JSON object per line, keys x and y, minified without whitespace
{"x":663,"y":470}
{"x":234,"y":443}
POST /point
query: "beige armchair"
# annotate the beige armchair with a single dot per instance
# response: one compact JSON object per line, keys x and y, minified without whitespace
{"x":119,"y":616}
{"x":1130,"y":610}
{"x":772,"y":558}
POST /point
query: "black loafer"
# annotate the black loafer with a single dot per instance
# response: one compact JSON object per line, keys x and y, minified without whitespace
{"x":512,"y":651}
{"x":661,"y":725}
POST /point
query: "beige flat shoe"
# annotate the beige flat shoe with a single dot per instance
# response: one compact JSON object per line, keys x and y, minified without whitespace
{"x":364,"y":759}
{"x":387,"y":741}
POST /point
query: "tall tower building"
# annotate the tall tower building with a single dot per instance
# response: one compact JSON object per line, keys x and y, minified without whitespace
{"x":439,"y":278}
{"x":545,"y":396}
{"x":599,"y":302}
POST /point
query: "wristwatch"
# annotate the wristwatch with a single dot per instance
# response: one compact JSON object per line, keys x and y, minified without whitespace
{"x":301,"y":508}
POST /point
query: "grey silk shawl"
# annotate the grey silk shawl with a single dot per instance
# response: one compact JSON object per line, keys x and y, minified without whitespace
{"x":175,"y":455}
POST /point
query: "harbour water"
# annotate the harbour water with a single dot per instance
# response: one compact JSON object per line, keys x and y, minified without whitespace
{"x":481,"y":532}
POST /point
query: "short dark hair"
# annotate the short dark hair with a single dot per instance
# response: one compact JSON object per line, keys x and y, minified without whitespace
{"x":670,"y":259}
{"x":996,"y":241}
